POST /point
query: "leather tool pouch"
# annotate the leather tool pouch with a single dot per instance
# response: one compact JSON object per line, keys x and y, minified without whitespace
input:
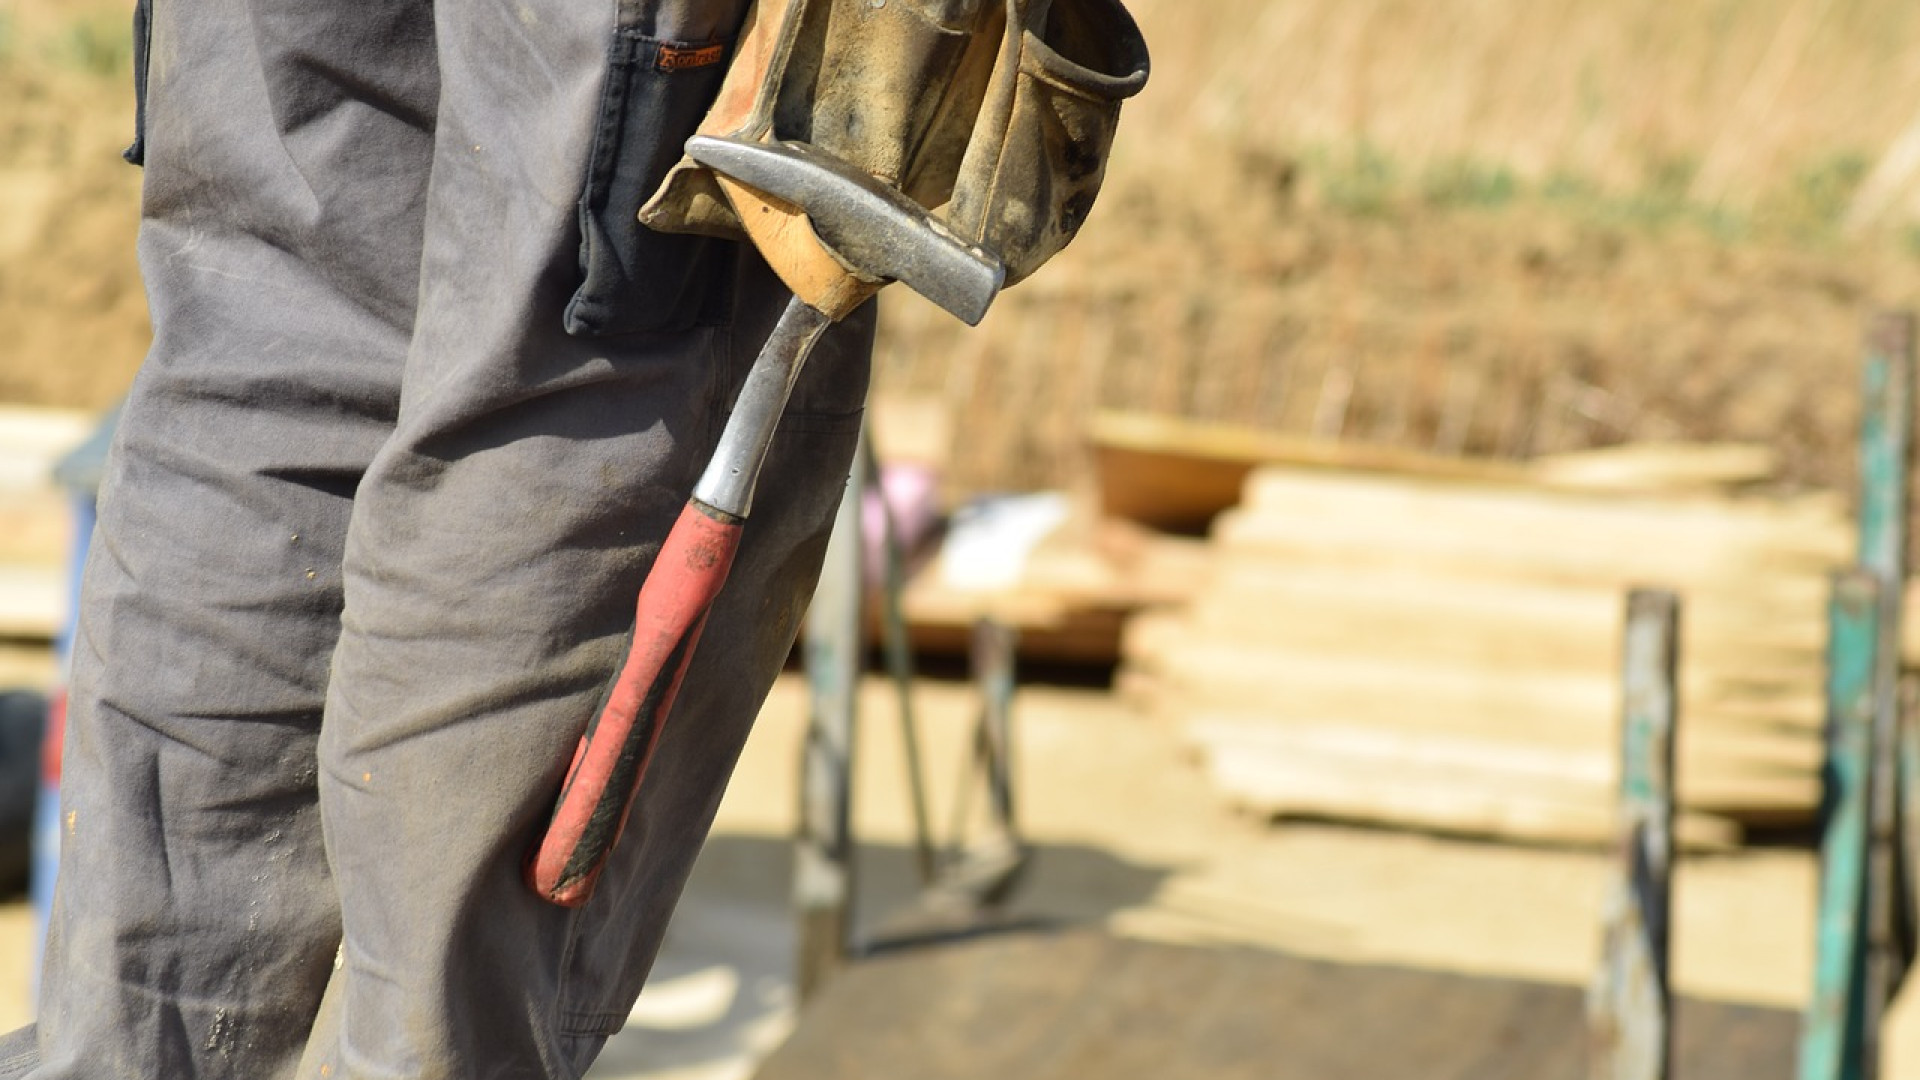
{"x":1038,"y":150}
{"x":1004,"y":109}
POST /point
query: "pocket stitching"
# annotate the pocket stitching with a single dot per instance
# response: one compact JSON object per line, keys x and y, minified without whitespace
{"x":603,"y":309}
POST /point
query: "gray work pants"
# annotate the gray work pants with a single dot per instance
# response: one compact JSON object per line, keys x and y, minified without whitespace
{"x":421,"y":405}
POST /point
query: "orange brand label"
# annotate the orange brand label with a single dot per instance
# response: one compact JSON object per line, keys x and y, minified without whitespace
{"x":673,"y":59}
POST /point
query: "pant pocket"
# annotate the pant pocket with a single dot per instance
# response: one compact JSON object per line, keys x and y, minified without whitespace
{"x":635,"y":280}
{"x":136,"y":153}
{"x":1039,"y":146}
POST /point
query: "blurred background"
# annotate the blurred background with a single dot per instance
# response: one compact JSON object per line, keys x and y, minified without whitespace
{"x":1405,"y":336}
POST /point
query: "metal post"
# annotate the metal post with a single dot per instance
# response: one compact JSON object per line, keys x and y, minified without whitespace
{"x":899,"y":659}
{"x":1886,"y":446}
{"x":994,"y":646}
{"x":1630,"y":1004}
{"x":984,"y":873}
{"x":823,"y":853}
{"x":1833,"y":1040}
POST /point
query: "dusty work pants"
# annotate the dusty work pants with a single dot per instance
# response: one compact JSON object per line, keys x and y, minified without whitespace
{"x":422,"y":403}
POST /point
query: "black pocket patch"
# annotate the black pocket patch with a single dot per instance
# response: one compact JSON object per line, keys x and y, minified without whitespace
{"x":136,"y":154}
{"x":636,"y":280}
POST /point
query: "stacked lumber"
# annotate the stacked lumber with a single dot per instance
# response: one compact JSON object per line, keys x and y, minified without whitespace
{"x":1442,"y":653}
{"x":35,"y":522}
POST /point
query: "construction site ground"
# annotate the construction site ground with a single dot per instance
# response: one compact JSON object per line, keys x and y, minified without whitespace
{"x":1129,"y":838}
{"x":1302,"y":234}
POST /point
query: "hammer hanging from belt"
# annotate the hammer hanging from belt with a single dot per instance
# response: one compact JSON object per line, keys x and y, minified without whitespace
{"x":954,"y":145}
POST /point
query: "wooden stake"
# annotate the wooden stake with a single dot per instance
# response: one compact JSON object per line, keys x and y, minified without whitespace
{"x":1629,"y":1003}
{"x":1886,"y":444}
{"x":1834,"y":1035}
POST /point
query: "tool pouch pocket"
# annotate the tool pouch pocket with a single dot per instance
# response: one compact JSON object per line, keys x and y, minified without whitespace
{"x":1003,"y":111}
{"x":634,"y":279}
{"x":892,"y":88}
{"x":896,"y":89}
{"x":136,"y":154}
{"x":1039,"y":147}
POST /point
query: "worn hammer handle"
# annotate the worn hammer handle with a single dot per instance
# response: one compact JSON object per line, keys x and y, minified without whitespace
{"x":613,"y":754}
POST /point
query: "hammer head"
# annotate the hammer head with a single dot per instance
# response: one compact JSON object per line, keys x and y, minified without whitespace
{"x":871,"y":227}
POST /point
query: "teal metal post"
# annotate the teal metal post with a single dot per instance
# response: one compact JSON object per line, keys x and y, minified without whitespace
{"x":1629,"y":1004}
{"x":1833,"y":1039}
{"x":1886,"y":448}
{"x":1886,"y":443}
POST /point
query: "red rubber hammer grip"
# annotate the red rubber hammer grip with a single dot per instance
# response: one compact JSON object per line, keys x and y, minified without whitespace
{"x":612,"y":756}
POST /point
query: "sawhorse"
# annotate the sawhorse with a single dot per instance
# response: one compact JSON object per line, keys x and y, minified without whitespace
{"x":963,"y":875}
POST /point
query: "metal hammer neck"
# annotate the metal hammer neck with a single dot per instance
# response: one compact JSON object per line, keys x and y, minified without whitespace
{"x":728,"y":482}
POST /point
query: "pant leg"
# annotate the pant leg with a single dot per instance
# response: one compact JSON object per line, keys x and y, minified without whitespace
{"x":496,"y":548}
{"x":287,"y":154}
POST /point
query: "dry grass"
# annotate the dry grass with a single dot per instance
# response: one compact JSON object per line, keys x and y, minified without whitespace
{"x":1472,"y":226}
{"x":1739,"y":98}
{"x":1479,"y":226}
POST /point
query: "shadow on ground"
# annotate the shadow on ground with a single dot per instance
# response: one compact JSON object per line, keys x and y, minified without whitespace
{"x":721,"y":995}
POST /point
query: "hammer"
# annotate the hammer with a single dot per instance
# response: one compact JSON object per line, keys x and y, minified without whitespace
{"x":836,"y":235}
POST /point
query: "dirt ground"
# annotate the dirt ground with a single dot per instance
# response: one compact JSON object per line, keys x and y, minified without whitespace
{"x":1246,"y":296}
{"x":1129,"y":837}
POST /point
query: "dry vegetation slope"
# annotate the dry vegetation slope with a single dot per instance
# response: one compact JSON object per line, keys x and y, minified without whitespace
{"x":73,"y":320}
{"x":1483,"y":227}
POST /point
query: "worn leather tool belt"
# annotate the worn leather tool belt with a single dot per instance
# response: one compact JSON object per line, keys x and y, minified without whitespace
{"x":1002,"y":112}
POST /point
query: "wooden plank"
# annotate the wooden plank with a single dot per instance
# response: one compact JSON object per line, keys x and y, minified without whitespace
{"x":1814,"y":523}
{"x":1177,"y":474}
{"x":1650,"y":468}
{"x":1734,"y":604}
{"x":1457,"y":799}
{"x":33,"y":602}
{"x":1434,"y":696}
{"x":1419,"y":609}
{"x":1523,"y":545}
{"x":1288,"y":490}
{"x":1535,"y":625}
{"x":1287,"y":767}
{"x":36,"y":527}
{"x":1704,"y":757}
{"x":33,"y":439}
{"x":1324,"y":679}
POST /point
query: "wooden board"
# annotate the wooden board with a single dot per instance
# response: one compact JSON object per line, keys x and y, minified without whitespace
{"x":36,"y":523}
{"x":1177,"y":474}
{"x":1442,"y":651}
{"x":1472,"y":785}
{"x":33,"y":602}
{"x":1077,"y":1005}
{"x":33,"y":438}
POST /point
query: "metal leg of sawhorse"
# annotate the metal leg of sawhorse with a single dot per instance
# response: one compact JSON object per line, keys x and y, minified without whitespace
{"x":964,"y":878}
{"x":823,"y":870}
